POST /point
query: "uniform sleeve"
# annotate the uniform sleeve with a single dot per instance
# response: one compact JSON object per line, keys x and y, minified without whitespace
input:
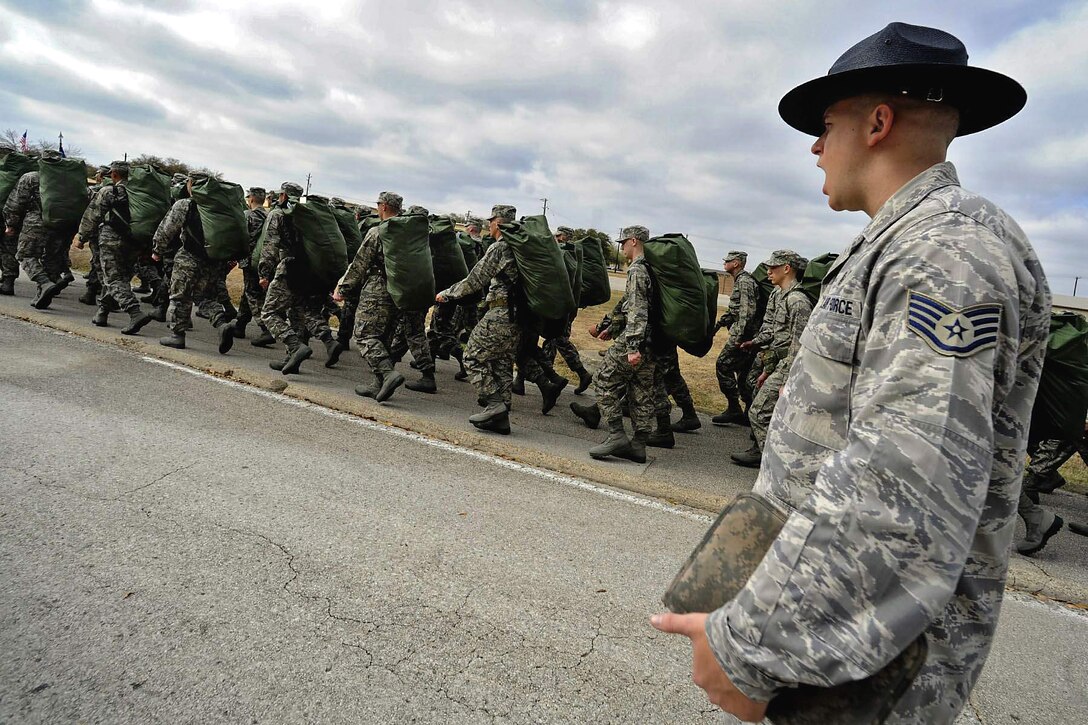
{"x":479,"y":277}
{"x":876,"y":552}
{"x":254,"y":225}
{"x":765,"y":335}
{"x":275,"y":241}
{"x":169,"y":230}
{"x":746,"y":309}
{"x":798,"y":310}
{"x":356,"y":275}
{"x":638,"y":308}
{"x":18,"y":202}
{"x":94,"y":214}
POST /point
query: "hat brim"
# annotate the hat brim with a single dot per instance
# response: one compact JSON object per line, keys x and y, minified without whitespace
{"x":983,"y":97}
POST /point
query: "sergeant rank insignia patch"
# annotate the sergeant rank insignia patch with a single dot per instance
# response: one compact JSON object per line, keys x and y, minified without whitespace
{"x":957,"y":333}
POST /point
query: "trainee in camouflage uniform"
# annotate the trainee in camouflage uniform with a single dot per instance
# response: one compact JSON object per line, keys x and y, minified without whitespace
{"x":37,"y":245}
{"x":627,"y":370}
{"x":410,"y":334}
{"x":9,"y":265}
{"x":252,"y":292}
{"x":791,"y":313}
{"x":107,"y":220}
{"x":193,"y":276}
{"x":561,"y":342}
{"x":376,"y":314}
{"x":276,"y":267}
{"x":489,"y":354}
{"x":741,"y":319}
{"x":94,"y":276}
{"x":468,"y":313}
{"x":1042,"y":476}
{"x":898,"y":446}
{"x":668,"y":381}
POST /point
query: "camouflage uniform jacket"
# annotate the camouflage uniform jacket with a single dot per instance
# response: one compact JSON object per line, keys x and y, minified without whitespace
{"x":635,"y":334}
{"x":279,"y":243}
{"x":24,"y":203}
{"x":366,"y":273}
{"x":95,"y":222}
{"x":255,"y":219}
{"x":172,"y":230}
{"x":740,"y":317}
{"x":798,"y":309}
{"x":765,"y":335}
{"x":897,"y":450}
{"x":497,"y":271}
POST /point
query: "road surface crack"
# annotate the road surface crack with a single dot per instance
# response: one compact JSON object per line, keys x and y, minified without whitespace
{"x":161,"y":478}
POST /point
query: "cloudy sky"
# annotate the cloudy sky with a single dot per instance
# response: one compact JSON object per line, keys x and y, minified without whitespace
{"x":659,"y":113}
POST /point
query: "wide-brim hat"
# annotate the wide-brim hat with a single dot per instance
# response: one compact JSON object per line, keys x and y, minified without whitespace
{"x":915,"y":61}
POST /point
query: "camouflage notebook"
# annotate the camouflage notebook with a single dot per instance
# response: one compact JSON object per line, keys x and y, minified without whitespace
{"x":719,"y":568}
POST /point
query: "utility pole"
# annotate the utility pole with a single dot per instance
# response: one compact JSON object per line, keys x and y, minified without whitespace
{"x":307,"y":184}
{"x":545,"y":200}
{"x":1075,"y":280}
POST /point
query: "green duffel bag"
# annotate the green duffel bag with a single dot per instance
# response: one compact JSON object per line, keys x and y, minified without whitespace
{"x":324,"y":256}
{"x":681,"y":310}
{"x":255,"y":256}
{"x":468,"y":250}
{"x":1061,"y":404}
{"x":63,"y":187}
{"x":572,"y":257}
{"x":409,"y":275}
{"x":596,"y":288}
{"x":220,"y":221}
{"x":148,"y":201}
{"x":812,"y":281}
{"x":540,"y":263}
{"x":446,"y":257}
{"x":710,"y":280}
{"x":349,"y":228}
{"x":12,"y":169}
{"x":764,"y":290}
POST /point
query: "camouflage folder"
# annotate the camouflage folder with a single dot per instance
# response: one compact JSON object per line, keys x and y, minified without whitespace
{"x":719,"y":568}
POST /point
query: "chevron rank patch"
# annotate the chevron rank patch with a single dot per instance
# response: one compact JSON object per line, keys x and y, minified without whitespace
{"x":952,"y":332}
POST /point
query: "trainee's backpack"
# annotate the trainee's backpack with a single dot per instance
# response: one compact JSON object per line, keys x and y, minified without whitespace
{"x":680,"y":313}
{"x":764,"y":290}
{"x":148,"y":201}
{"x":62,"y":184}
{"x":324,"y":257}
{"x":1061,"y":404}
{"x":12,"y":169}
{"x":349,"y":228}
{"x":468,"y":249}
{"x":543,"y":272}
{"x":409,"y":274}
{"x":219,"y":220}
{"x":572,"y":257}
{"x":446,"y":258}
{"x":813,"y":278}
{"x":596,"y":288}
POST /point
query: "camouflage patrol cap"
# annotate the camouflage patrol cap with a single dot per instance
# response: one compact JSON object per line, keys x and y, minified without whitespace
{"x":393,"y":200}
{"x":503,"y":212}
{"x":735,"y":255}
{"x":293,"y":190}
{"x":317,"y":199}
{"x":102,"y":170}
{"x":337,"y":201}
{"x":786,"y":256}
{"x":415,"y":209}
{"x":120,"y":167}
{"x":257,"y":192}
{"x":640,"y":233}
{"x":366,"y":209}
{"x":565,"y":230}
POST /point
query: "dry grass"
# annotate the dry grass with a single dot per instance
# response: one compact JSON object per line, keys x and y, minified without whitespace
{"x":1076,"y":473}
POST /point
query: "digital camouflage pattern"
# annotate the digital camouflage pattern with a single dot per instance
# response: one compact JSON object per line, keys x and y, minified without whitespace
{"x":742,"y":321}
{"x":669,"y":382}
{"x":41,"y":252}
{"x":376,"y":314}
{"x":791,"y":316}
{"x":1042,"y":476}
{"x":194,"y":280}
{"x":617,"y":378}
{"x":899,"y":465}
{"x":561,"y":344}
{"x":284,"y":306}
{"x":118,"y":258}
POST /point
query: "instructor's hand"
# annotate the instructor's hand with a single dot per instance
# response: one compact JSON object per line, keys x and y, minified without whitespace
{"x":705,"y":670}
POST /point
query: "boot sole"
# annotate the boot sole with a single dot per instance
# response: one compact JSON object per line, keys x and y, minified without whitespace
{"x":1054,"y":529}
{"x":135,"y":327}
{"x":292,"y":365}
{"x":387,"y":389}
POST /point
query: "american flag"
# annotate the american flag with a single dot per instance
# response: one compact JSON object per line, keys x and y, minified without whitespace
{"x":23,"y":142}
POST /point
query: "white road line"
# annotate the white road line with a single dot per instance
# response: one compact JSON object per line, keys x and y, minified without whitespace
{"x":552,"y":476}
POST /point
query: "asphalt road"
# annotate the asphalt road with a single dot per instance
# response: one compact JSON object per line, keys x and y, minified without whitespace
{"x":180,"y":548}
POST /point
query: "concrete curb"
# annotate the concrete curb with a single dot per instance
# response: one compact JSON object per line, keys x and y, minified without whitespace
{"x":1024,"y":574}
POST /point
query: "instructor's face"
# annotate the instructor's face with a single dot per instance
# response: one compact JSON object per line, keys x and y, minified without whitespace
{"x":841,"y":152}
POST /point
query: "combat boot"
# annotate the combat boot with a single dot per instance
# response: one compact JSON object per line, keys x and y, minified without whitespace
{"x":584,"y":380}
{"x":175,"y":340}
{"x":459,"y":355}
{"x":590,"y":414}
{"x":89,"y":296}
{"x":495,"y":417}
{"x":518,"y":387}
{"x":370,"y":391}
{"x":7,"y":287}
{"x":230,"y":312}
{"x":136,"y":321}
{"x":750,"y":458}
{"x":426,"y":383}
{"x":688,"y":422}
{"x":549,"y":393}
{"x":101,"y":317}
{"x":226,"y":337}
{"x":1039,"y":530}
{"x":616,"y":444}
{"x":239,"y":326}
{"x":46,"y":292}
{"x":333,"y":350}
{"x":66,"y":278}
{"x":662,"y":437}
{"x":393,"y":380}
{"x":159,"y":312}
{"x":264,"y":340}
{"x":297,"y":351}
{"x":732,"y":415}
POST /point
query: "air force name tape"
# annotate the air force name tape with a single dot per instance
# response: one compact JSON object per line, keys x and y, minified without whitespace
{"x":951,"y":332}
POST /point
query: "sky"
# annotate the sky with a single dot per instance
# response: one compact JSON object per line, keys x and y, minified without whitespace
{"x":618,"y":113}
